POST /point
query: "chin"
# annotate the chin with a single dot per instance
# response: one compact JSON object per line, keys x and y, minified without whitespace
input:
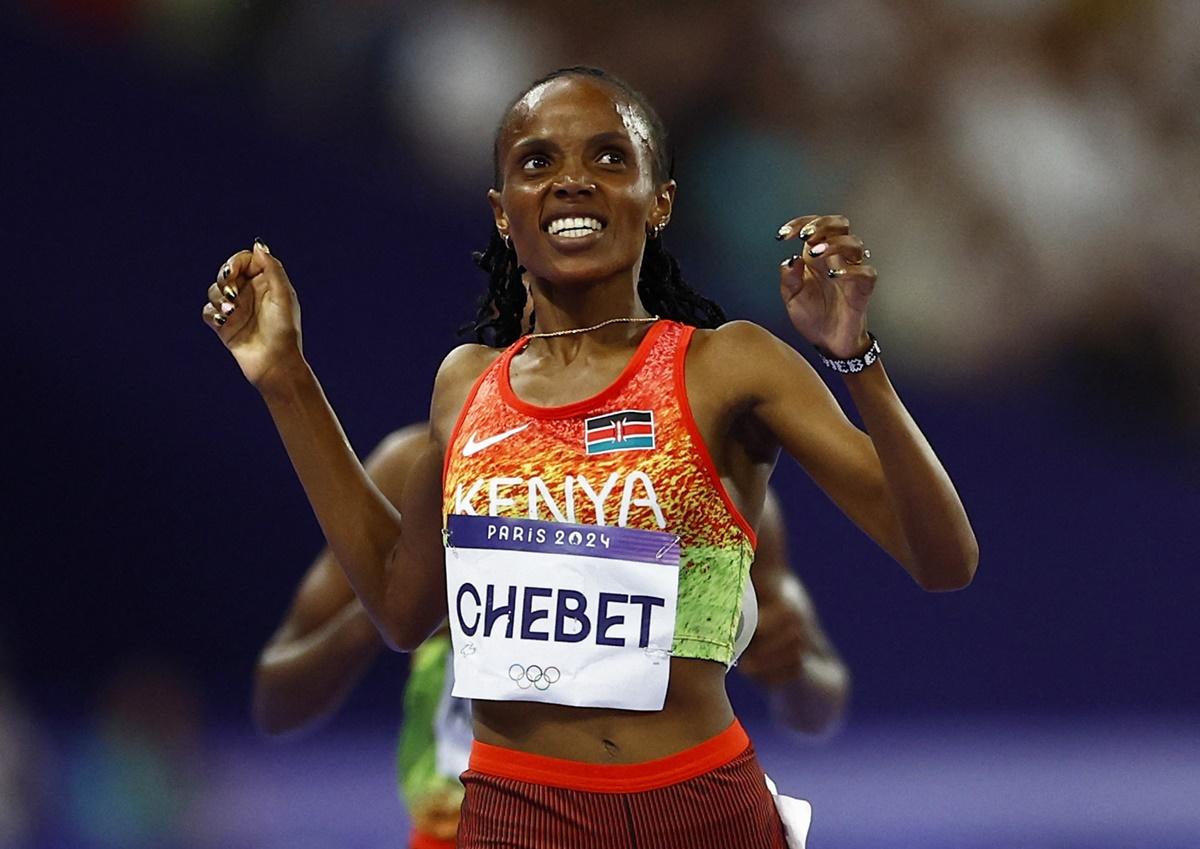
{"x":579,"y":270}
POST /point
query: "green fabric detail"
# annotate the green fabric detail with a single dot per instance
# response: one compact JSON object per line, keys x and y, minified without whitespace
{"x":416,"y":755}
{"x":711,"y":583}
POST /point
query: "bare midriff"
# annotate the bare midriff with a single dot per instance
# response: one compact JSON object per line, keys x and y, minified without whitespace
{"x":696,"y":710}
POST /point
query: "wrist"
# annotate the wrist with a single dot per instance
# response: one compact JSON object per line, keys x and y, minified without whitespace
{"x":867,"y":355}
{"x":285,"y":380}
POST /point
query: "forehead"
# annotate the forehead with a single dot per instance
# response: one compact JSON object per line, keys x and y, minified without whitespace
{"x":574,"y":105}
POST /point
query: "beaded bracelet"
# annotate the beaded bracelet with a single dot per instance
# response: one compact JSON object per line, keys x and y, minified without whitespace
{"x":854,"y":364}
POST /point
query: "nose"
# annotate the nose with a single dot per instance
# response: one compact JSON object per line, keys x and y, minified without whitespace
{"x":567,"y":186}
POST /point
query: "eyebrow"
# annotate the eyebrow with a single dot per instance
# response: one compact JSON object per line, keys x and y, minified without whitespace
{"x":543,"y":143}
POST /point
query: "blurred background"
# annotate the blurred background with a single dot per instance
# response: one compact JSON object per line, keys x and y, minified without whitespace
{"x":1026,"y":173}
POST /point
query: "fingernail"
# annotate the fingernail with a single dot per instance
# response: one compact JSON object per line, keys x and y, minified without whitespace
{"x":792,"y":261}
{"x":836,"y":272}
{"x":807,"y":231}
{"x":258,"y":242}
{"x":227,"y":308}
{"x":226,"y":271}
{"x":220,"y":319}
{"x":817,"y":250}
{"x":783,"y":231}
{"x":229,"y":292}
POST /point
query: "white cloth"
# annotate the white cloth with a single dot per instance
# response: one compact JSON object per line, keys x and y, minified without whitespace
{"x":795,"y":813}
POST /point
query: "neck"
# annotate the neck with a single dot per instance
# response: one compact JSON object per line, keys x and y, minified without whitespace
{"x":570,"y":307}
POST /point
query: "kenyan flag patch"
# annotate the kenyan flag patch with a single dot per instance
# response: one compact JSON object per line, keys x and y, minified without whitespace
{"x":627,"y":430}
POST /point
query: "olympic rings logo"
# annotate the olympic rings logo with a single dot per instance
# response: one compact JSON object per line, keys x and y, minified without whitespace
{"x":534,"y":676}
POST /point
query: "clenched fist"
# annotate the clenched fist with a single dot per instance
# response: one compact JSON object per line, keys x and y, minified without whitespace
{"x":253,"y":309}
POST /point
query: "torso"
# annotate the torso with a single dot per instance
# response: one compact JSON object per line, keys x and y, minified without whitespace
{"x":696,"y":706}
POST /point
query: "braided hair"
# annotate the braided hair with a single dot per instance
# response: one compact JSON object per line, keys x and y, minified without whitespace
{"x":660,"y":285}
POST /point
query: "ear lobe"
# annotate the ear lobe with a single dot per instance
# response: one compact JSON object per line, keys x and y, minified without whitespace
{"x":498,"y":211}
{"x":665,"y":201}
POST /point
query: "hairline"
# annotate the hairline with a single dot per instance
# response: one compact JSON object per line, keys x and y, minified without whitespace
{"x":660,"y":172}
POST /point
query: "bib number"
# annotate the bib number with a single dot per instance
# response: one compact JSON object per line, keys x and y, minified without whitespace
{"x":568,"y":614}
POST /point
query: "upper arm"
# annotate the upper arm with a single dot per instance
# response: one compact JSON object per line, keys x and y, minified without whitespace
{"x":769,"y":380}
{"x":417,"y":601}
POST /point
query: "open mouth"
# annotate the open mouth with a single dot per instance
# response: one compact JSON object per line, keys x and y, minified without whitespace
{"x":574,"y":228}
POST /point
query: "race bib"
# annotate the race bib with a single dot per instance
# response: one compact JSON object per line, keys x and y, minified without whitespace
{"x":579,"y":615}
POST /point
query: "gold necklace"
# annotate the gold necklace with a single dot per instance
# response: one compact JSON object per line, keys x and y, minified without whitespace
{"x":641,"y":320}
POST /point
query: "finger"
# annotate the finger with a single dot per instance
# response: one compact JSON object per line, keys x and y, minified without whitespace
{"x":815,"y":228}
{"x":227,"y":282}
{"x":262,"y":261}
{"x":213,"y":317}
{"x":221,"y":305}
{"x":843,"y":271}
{"x":791,"y":228}
{"x":234,"y":268}
{"x":849,"y":247}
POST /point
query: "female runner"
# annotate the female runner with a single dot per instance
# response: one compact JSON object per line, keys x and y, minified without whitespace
{"x":628,"y":428}
{"x":327,"y":642}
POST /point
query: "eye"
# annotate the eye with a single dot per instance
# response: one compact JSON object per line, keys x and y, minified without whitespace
{"x":612,"y":157}
{"x":534,"y":162}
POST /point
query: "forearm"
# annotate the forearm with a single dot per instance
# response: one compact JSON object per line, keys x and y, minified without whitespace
{"x":938,"y":545}
{"x":813,"y":702}
{"x":360,"y":526}
{"x":302,"y":680}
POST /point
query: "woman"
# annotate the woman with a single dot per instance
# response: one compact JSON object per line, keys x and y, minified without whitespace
{"x":653,"y":439}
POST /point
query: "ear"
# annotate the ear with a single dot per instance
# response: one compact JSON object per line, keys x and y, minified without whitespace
{"x":498,"y":212}
{"x":664,"y":204}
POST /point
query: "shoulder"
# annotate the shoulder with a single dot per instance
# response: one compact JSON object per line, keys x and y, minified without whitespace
{"x":455,"y":378}
{"x":745,"y":356}
{"x":465,"y":363}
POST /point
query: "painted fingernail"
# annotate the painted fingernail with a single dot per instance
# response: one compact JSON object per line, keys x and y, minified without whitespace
{"x":226,"y":270}
{"x":227,"y":308}
{"x":229,"y":292}
{"x":836,"y":272}
{"x":817,"y":250}
{"x":807,"y":231}
{"x":220,"y":319}
{"x":261,"y":244}
{"x":792,"y":261}
{"x":783,"y":231}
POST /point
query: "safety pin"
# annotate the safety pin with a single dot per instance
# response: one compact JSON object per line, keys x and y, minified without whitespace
{"x":659,"y":554}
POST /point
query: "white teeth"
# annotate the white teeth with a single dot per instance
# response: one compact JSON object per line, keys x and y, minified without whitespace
{"x":573,"y":228}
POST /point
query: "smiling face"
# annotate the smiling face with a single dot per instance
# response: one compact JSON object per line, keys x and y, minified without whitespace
{"x":578,"y":190}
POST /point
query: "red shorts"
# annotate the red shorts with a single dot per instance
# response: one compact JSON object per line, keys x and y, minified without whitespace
{"x":712,"y":794}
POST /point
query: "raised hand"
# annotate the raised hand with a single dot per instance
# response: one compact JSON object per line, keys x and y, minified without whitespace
{"x":826,"y":286}
{"x":253,"y":309}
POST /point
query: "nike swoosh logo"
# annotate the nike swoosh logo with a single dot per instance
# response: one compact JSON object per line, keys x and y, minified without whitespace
{"x":473,"y":447}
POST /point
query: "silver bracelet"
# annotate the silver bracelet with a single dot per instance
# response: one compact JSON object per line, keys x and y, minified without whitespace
{"x":855,"y":364}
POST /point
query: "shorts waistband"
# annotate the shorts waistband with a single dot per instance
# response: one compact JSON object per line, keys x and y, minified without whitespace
{"x":418,"y":839}
{"x":610,"y":778}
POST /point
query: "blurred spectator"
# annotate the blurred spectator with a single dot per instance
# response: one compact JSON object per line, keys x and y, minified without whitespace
{"x":134,"y":775}
{"x":23,"y":775}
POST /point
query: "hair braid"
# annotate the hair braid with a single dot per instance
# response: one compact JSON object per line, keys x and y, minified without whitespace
{"x":663,"y":291}
{"x":498,"y":317}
